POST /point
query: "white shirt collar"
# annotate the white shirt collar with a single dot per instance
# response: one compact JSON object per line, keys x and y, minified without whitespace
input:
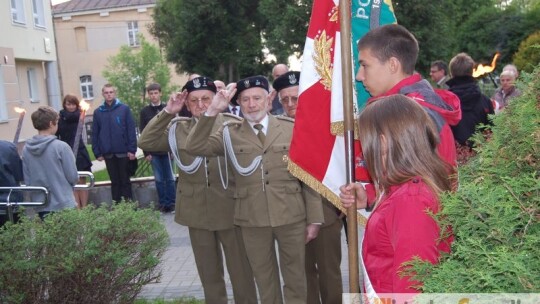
{"x":263,"y":122}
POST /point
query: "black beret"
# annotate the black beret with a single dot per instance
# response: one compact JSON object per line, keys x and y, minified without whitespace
{"x":200,"y":83}
{"x":248,"y":83}
{"x":289,"y":79}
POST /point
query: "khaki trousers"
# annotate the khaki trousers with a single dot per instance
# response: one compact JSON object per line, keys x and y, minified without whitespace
{"x":207,"y":246}
{"x":323,"y":261}
{"x":260,"y":246}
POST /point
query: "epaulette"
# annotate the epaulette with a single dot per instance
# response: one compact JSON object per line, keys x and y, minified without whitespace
{"x":180,"y":118}
{"x":285,"y":118}
{"x":231,"y":116}
{"x":235,"y":122}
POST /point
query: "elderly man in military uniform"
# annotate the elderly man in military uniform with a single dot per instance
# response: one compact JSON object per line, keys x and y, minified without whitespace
{"x":271,"y":204}
{"x":323,"y":254}
{"x":202,"y":203}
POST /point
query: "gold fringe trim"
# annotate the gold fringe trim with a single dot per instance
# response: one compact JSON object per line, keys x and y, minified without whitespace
{"x":338,"y":128}
{"x":309,"y":180}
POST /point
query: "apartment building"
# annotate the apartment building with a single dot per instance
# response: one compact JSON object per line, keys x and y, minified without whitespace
{"x":89,"y":32}
{"x":28,"y":64}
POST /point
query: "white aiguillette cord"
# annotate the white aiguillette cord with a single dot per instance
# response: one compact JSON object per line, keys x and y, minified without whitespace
{"x":189,"y":169}
{"x":228,"y":150}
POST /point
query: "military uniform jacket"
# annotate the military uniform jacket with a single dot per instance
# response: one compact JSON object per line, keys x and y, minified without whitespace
{"x":201,"y":201}
{"x":270,"y":196}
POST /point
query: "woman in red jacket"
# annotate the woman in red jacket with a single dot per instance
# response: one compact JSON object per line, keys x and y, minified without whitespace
{"x":399,"y":142}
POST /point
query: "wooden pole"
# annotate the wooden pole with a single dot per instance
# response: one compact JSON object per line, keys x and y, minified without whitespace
{"x":348,"y":121}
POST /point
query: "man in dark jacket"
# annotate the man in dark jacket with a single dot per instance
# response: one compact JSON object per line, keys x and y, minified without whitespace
{"x":161,"y":162}
{"x":475,"y":106}
{"x":114,"y":140}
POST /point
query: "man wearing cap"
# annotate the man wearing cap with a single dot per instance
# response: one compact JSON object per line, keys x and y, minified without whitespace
{"x":271,"y":204}
{"x":323,"y":254}
{"x":202,"y":203}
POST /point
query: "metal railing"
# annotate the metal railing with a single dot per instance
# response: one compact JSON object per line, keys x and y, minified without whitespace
{"x":90,"y":180}
{"x":14,"y":198}
{"x":15,"y":195}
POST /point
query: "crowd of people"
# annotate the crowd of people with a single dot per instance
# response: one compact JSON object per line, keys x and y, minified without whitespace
{"x":235,"y":193}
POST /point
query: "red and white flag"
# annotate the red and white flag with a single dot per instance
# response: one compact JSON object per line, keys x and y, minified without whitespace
{"x":317,"y":153}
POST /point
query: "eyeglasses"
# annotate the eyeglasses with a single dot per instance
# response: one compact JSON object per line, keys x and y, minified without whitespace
{"x":287,"y":99}
{"x":204,"y":100}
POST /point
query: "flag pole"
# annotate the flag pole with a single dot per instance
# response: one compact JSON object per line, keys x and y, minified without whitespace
{"x":348,"y":123}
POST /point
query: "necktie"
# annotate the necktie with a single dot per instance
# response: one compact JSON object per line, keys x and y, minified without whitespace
{"x":260,"y":134}
{"x":233,"y":110}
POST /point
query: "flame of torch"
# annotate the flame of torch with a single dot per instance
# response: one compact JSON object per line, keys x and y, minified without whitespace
{"x":84,"y":107}
{"x":21,"y":112}
{"x":481,"y":69}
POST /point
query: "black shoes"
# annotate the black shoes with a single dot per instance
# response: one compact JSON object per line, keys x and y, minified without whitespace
{"x":166,"y":209}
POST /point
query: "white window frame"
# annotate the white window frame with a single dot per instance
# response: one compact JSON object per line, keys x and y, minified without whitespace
{"x":132,"y":32}
{"x":3,"y":101}
{"x":17,"y":12}
{"x":38,"y":13}
{"x":87,"y":87}
{"x":33,"y":89}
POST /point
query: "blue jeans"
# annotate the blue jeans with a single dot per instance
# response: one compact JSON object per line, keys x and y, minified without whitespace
{"x":165,"y":183}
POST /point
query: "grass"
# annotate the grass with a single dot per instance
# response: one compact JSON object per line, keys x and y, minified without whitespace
{"x":101,"y":176}
{"x":183,"y":300}
{"x":89,"y":149}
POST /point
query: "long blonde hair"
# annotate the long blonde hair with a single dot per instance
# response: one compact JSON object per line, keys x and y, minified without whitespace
{"x":411,"y":140}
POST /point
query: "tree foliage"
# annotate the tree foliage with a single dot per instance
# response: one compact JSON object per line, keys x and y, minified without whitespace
{"x":285,"y":26}
{"x":528,"y":53}
{"x":220,"y":39}
{"x":225,"y":39}
{"x":495,"y":214}
{"x":131,"y":70}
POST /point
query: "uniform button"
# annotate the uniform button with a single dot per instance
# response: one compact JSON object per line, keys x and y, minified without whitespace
{"x":207,"y":161}
{"x":266,"y":172}
{"x":264,"y":152}
{"x":208,"y":184}
{"x":267,"y":182}
{"x":208,"y":172}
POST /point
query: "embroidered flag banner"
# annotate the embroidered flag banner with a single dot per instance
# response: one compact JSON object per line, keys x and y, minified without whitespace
{"x":317,"y":153}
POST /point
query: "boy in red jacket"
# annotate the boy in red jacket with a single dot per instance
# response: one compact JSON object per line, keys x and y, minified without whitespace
{"x":388,"y":56}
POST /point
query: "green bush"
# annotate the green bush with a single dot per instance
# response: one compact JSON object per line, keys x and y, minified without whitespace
{"x":496,"y":211}
{"x":528,"y":54}
{"x":81,"y":256}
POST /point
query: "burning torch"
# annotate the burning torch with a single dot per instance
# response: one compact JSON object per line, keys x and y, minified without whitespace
{"x":21,"y":112}
{"x":84,"y":107}
{"x":481,"y":70}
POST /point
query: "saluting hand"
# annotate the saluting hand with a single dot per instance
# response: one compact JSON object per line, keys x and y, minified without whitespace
{"x":221,"y":101}
{"x":176,"y":102}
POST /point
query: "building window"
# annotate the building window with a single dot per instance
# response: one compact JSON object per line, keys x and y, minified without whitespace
{"x":80,"y":37}
{"x":3,"y":101}
{"x":17,"y":11}
{"x":33,"y":90}
{"x":87,"y":88}
{"x":133,"y":30}
{"x":38,"y":13}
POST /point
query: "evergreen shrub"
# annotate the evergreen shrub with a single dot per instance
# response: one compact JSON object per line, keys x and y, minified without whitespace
{"x":495,"y":215}
{"x":81,"y":256}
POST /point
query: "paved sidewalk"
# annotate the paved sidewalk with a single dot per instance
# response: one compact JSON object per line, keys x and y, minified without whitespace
{"x":179,"y":273}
